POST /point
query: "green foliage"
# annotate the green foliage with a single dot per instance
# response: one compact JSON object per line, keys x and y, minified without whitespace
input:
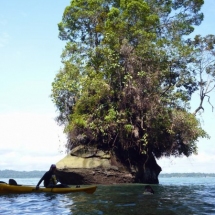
{"x":66,"y":89}
{"x":128,"y":76}
{"x":111,"y":116}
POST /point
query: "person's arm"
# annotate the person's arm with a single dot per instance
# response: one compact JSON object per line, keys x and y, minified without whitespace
{"x":38,"y":184}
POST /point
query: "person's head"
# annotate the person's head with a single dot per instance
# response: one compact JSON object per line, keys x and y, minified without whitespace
{"x":53,"y":167}
{"x":148,"y":188}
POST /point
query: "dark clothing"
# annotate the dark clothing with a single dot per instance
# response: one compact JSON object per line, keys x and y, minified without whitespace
{"x":149,"y":189}
{"x":48,"y":178}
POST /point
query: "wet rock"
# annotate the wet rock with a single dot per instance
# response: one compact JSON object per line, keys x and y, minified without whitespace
{"x":92,"y":166}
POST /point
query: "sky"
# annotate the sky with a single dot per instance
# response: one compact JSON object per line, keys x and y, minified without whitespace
{"x":30,"y":50}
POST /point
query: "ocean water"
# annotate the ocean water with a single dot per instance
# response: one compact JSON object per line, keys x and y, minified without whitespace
{"x":173,"y":196}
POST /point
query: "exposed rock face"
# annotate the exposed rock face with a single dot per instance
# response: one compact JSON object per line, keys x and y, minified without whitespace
{"x":94,"y":176}
{"x":92,"y":166}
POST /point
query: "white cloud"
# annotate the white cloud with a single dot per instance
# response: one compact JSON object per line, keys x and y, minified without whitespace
{"x":203,"y":162}
{"x":30,"y":141}
{"x":33,"y":141}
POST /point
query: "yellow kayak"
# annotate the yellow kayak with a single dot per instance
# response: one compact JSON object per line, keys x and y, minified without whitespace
{"x":7,"y":188}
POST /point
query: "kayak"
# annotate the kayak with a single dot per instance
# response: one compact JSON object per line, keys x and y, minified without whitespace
{"x":7,"y":188}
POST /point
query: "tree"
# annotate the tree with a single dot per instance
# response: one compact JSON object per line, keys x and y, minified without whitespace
{"x":204,"y":64}
{"x":128,"y":77}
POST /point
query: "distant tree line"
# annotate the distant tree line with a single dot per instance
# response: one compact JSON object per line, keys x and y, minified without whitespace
{"x":38,"y":174}
{"x":20,"y":174}
{"x":167,"y":175}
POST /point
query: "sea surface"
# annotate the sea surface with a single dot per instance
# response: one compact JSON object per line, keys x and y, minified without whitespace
{"x":173,"y":196}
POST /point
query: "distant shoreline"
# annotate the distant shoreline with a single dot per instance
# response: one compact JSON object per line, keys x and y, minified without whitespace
{"x":169,"y":175}
{"x":21,"y":174}
{"x":38,"y":174}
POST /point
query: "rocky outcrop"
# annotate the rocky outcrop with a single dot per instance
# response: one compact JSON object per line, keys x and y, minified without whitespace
{"x":94,"y":176}
{"x":92,"y":166}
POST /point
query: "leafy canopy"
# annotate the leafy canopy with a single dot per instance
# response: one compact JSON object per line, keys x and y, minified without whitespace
{"x":129,"y":75}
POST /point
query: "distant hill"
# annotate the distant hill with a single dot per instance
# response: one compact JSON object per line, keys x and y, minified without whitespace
{"x":168,"y":175}
{"x":21,"y":174}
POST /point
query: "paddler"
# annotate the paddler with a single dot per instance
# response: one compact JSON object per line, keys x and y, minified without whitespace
{"x":49,"y":178}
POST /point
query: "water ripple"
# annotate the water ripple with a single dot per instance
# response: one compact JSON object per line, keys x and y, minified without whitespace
{"x":191,"y":197}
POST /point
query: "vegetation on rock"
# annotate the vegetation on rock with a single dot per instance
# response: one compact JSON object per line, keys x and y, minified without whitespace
{"x":129,"y":74}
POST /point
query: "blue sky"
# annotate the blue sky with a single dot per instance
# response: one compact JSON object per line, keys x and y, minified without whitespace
{"x":30,"y":53}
